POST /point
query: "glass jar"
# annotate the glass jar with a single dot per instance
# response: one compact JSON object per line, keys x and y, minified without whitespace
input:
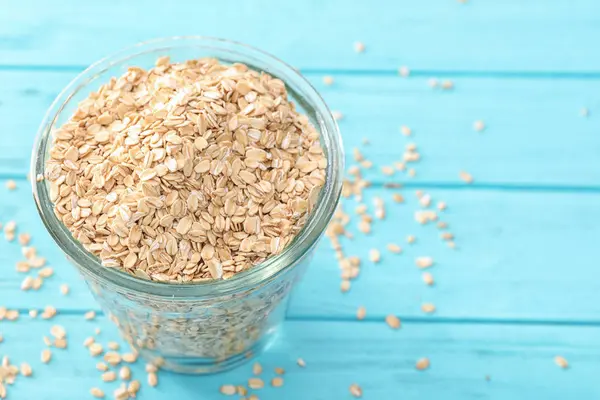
{"x":208,"y":326}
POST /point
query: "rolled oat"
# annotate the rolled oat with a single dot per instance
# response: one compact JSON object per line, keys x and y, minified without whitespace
{"x":186,"y":172}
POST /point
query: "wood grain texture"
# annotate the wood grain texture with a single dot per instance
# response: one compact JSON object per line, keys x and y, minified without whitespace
{"x":521,"y":288}
{"x":517,"y":358}
{"x":534,"y":135}
{"x":511,"y":35}
{"x":535,"y":267}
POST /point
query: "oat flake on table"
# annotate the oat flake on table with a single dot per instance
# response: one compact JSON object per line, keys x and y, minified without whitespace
{"x":186,"y":172}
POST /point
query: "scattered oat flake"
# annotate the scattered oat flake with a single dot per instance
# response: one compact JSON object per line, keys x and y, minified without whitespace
{"x":109,"y":376}
{"x":400,"y":166}
{"x":112,"y":357}
{"x":129,"y":358}
{"x":446,"y":236}
{"x":441,"y":205}
{"x":345,"y":285}
{"x":12,"y":315}
{"x":404,"y":71}
{"x":433,"y":83}
{"x":394,"y":248}
{"x":10,"y":226}
{"x":11,"y":184}
{"x":277,"y":381}
{"x":26,"y":369}
{"x":387,"y":170}
{"x":151,"y":367}
{"x":405,"y":130}
{"x":101,"y":366}
{"x":113,"y":345}
{"x":428,"y":308}
{"x":398,"y":198}
{"x":24,"y":239}
{"x":90,"y":315}
{"x":561,"y":362}
{"x":422,"y":364}
{"x":46,"y":272}
{"x":367,"y":164}
{"x":393,"y":321}
{"x":374,"y":255}
{"x":152,"y":379}
{"x":46,"y":356}
{"x":37,"y":283}
{"x":301,"y":363}
{"x":428,"y":278}
{"x":133,"y":388}
{"x":58,"y":331}
{"x":60,"y":343}
{"x":121,"y":393}
{"x":465,"y":176}
{"x":361,"y":313}
{"x":228,"y":390}
{"x":27,"y":283}
{"x":447,"y":85}
{"x":328,"y":80}
{"x":95,"y":349}
{"x":479,"y":125}
{"x":22,"y":266}
{"x":337,"y":115}
{"x":64,"y":289}
{"x":97,"y":393}
{"x":364,"y":227}
{"x":355,"y":390}
{"x":361,"y":209}
{"x":125,"y":373}
{"x":359,"y":47}
{"x":425,"y":201}
{"x":255,"y":383}
{"x":424,"y":262}
{"x":257,"y":369}
{"x":279,"y":371}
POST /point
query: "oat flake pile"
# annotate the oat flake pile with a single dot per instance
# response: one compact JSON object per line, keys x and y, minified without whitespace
{"x":186,"y":172}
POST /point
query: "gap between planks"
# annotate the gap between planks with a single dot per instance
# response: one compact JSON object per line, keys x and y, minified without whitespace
{"x":510,"y":187}
{"x":361,"y":72}
{"x":419,"y":320}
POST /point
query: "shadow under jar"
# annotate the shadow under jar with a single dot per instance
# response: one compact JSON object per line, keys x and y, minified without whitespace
{"x":208,"y":326}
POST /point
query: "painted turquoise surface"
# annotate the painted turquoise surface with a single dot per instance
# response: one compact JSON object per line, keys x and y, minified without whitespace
{"x":523,"y":285}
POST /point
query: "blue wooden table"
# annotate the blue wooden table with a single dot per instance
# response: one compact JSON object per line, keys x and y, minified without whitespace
{"x":523,"y":285}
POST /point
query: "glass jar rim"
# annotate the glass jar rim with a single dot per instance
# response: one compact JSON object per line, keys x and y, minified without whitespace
{"x":257,"y":275}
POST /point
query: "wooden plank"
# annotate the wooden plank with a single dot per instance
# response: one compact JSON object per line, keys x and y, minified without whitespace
{"x":521,"y":255}
{"x":517,"y":358}
{"x":491,"y":36}
{"x":534,"y":133}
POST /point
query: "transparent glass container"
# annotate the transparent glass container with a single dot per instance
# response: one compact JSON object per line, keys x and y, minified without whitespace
{"x":208,"y":326}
